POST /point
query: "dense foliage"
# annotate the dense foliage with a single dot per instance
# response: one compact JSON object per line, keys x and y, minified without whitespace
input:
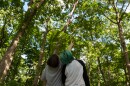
{"x":92,"y":28}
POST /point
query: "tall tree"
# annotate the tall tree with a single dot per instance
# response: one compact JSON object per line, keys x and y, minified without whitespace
{"x":118,"y":19}
{"x":38,"y":68}
{"x":8,"y":57}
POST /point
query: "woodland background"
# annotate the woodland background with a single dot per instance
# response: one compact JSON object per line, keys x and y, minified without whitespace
{"x":100,"y":30}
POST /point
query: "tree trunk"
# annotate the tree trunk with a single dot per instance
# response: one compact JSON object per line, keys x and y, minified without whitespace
{"x":99,"y":80}
{"x":108,"y":72}
{"x":126,"y":78}
{"x":38,"y":68}
{"x":8,"y":56}
{"x":101,"y":71}
{"x":7,"y":59}
{"x":123,"y":45}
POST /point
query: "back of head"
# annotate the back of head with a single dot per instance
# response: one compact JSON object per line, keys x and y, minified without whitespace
{"x":53,"y":61}
{"x":66,"y":57}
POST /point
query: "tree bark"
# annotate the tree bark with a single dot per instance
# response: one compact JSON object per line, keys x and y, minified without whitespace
{"x":124,"y":49}
{"x":38,"y":68}
{"x":127,"y":81}
{"x":8,"y":56}
{"x":102,"y":72}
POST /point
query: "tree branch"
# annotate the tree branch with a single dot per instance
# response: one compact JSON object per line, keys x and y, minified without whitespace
{"x":70,"y":19}
{"x":70,"y":46}
{"x":110,"y":19}
{"x":124,"y":12}
{"x":109,"y":2}
{"x":122,"y":7}
{"x":116,"y":3}
{"x":115,"y":9}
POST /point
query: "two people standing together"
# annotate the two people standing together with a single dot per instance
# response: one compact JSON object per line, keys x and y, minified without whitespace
{"x":65,"y":70}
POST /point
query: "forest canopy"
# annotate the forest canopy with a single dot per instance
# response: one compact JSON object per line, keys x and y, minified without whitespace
{"x":31,"y":30}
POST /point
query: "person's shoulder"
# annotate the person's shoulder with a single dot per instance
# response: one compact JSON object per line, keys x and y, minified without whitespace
{"x":75,"y":62}
{"x":79,"y":60}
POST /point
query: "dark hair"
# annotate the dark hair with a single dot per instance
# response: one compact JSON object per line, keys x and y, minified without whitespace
{"x":53,"y":61}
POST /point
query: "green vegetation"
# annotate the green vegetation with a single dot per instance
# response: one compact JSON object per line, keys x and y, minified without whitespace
{"x":100,"y":30}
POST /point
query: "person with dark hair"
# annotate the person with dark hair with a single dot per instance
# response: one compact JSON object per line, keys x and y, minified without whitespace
{"x":74,"y":72}
{"x":51,"y":75}
{"x":53,"y":61}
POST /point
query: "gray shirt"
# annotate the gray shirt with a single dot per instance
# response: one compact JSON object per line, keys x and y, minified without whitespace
{"x":52,"y":75}
{"x":74,"y":74}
